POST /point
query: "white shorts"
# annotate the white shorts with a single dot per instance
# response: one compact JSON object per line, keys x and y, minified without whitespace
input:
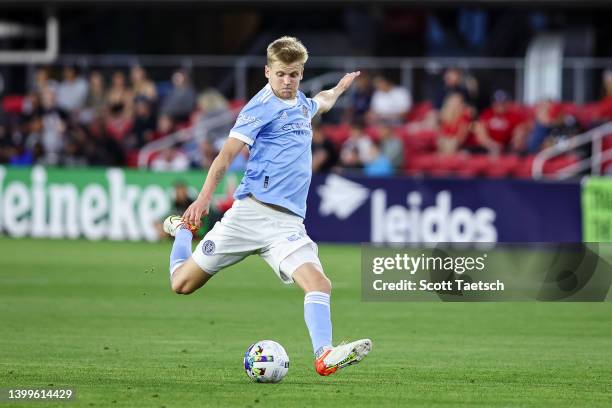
{"x":253,"y":228}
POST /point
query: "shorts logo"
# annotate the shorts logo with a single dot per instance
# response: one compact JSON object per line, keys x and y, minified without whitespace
{"x":305,"y":111}
{"x":208,"y":247}
{"x":295,"y":237}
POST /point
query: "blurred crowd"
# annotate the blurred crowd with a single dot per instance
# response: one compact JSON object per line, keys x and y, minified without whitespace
{"x":96,"y":120}
{"x":80,"y":120}
{"x":385,"y":133}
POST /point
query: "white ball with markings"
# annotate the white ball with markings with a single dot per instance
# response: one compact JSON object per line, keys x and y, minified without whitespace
{"x":266,"y":361}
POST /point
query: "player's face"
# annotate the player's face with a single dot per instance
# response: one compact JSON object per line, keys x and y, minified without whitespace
{"x":284,"y":79}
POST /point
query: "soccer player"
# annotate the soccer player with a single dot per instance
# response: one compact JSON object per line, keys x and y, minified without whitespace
{"x":270,"y":202}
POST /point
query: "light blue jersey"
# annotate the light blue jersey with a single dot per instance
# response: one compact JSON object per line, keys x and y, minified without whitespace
{"x":279,"y":134}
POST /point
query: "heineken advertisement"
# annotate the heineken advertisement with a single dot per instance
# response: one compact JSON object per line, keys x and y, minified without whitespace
{"x":92,"y":203}
{"x":597,"y":209}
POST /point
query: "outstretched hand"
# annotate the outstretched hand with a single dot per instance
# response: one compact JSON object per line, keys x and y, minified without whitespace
{"x":194,"y":213}
{"x":347,"y":80}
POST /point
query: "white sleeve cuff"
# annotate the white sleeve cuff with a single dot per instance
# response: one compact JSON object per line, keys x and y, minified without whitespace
{"x":242,"y":137}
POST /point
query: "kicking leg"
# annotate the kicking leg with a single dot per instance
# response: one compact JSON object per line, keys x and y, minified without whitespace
{"x":185,"y":275}
{"x":188,"y":277}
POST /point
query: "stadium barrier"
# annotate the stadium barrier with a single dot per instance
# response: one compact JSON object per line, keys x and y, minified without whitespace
{"x":125,"y":204}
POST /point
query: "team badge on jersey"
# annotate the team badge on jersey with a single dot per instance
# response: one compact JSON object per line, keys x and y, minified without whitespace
{"x":305,"y":111}
{"x":208,"y":247}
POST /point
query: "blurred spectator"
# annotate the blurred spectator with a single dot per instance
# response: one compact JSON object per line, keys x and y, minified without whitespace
{"x":32,"y":105}
{"x":455,"y":120}
{"x":180,"y":101}
{"x":180,"y":201}
{"x":119,"y":98}
{"x":72,"y":91}
{"x":102,"y":149}
{"x":357,"y":148}
{"x":95,"y":103}
{"x":33,"y":152}
{"x":8,"y":148}
{"x":165,"y":127}
{"x":143,"y":130}
{"x":324,"y":155}
{"x":211,"y":104}
{"x":74,"y":154}
{"x":142,"y":87}
{"x":43,"y":80}
{"x":391,"y":146}
{"x":499,"y":128}
{"x":453,"y":82}
{"x":545,"y":119}
{"x":360,"y":97}
{"x":170,"y":159}
{"x":607,"y":83}
{"x":603,"y":110}
{"x":380,"y":165}
{"x":53,"y":128}
{"x":118,"y":123}
{"x":349,"y":158}
{"x":474,"y":101}
{"x":208,"y":152}
{"x":390,"y":103}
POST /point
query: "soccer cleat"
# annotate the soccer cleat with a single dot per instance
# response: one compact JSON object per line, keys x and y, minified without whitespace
{"x":173,"y":222}
{"x":343,"y":355}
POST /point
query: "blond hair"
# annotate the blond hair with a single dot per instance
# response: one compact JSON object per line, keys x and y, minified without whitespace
{"x":287,"y":50}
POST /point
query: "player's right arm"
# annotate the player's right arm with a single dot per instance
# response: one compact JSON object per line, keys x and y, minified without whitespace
{"x":200,"y":207}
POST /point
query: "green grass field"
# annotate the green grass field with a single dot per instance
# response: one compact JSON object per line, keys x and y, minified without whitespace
{"x":100,"y":318}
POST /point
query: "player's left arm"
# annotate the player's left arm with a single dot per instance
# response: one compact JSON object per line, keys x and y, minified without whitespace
{"x":327,"y":99}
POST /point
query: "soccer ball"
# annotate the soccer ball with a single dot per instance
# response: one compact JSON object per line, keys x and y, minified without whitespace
{"x":266,"y":361}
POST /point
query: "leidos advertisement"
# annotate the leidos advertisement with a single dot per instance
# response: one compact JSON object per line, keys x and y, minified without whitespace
{"x":413,"y":210}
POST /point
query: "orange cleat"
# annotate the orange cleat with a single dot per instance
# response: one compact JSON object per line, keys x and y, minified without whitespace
{"x":341,"y":356}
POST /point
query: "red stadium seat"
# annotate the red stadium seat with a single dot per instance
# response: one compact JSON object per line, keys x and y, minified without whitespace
{"x":13,"y":104}
{"x":502,"y":166}
{"x":422,"y":141}
{"x":606,"y":145}
{"x":372,"y":131}
{"x":337,"y":133}
{"x":236,"y":104}
{"x":524,"y":167}
{"x":421,"y":163}
{"x":452,"y":162}
{"x":132,"y":158}
{"x":419,"y":111}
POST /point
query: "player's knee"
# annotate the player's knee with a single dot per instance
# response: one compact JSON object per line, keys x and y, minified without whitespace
{"x":326,"y":285}
{"x":313,"y":280}
{"x":181,"y":287}
{"x":322,"y":283}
